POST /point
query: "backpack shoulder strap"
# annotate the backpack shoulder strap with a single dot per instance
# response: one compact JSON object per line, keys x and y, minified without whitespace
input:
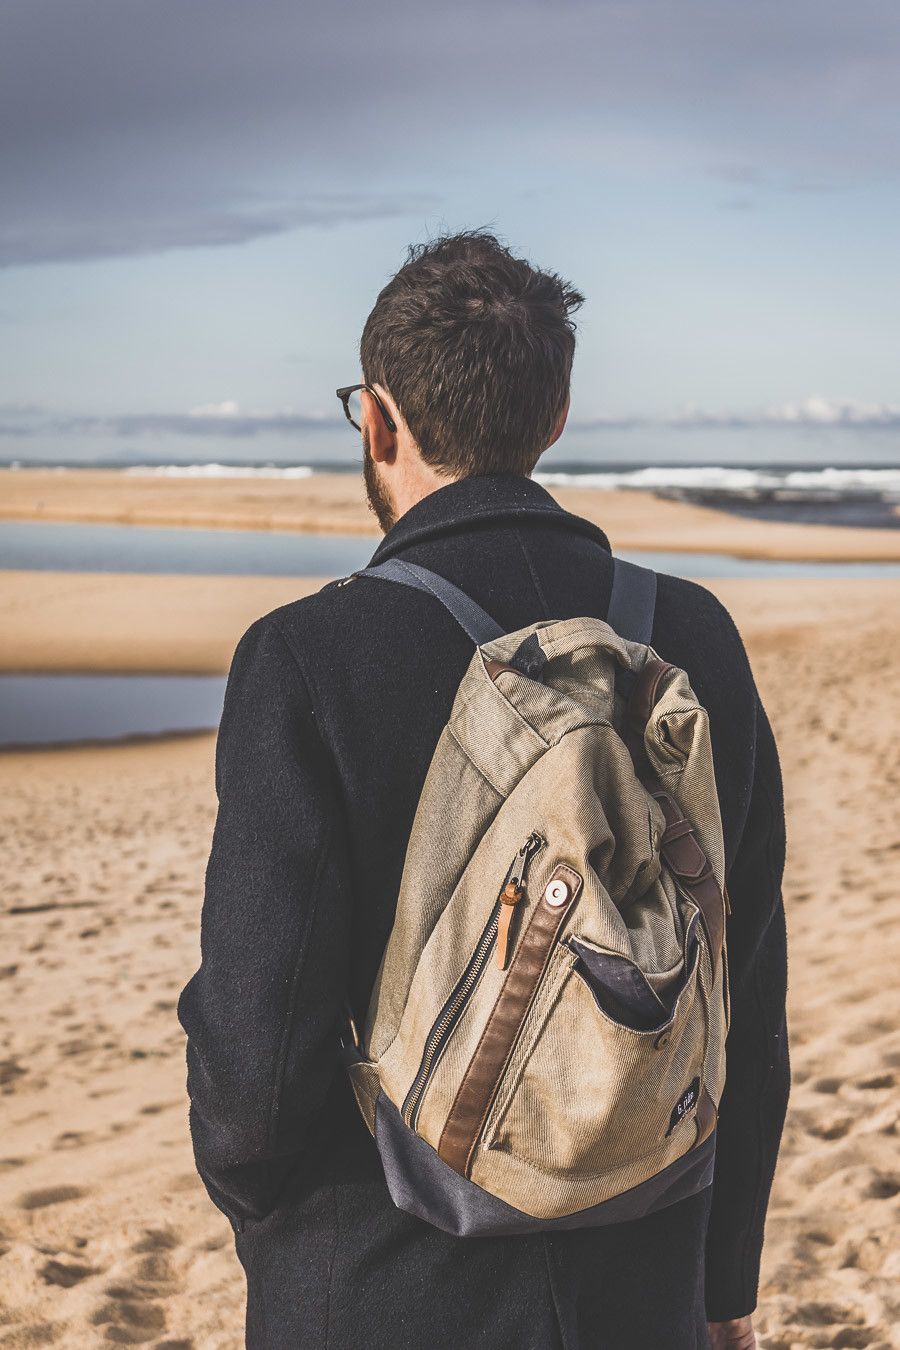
{"x":633,"y":601}
{"x":631,"y":606}
{"x":479,"y":626}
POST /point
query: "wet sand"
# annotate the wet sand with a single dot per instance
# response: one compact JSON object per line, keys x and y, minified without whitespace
{"x":105,"y":1232}
{"x":334,"y":503}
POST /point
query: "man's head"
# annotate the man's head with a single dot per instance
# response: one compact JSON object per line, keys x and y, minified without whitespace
{"x":470,"y":350}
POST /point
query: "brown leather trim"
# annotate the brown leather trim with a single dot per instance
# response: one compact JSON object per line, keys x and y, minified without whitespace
{"x":706,"y":1117}
{"x":683,"y":855}
{"x":675,"y":831}
{"x":646,"y":692}
{"x":510,"y":897}
{"x":478,"y":1088}
{"x":495,"y":668}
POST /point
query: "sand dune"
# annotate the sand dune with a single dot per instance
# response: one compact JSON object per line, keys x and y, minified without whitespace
{"x":105,"y":1233}
{"x":334,"y":503}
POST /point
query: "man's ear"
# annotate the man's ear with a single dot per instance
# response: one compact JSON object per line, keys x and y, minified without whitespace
{"x":382,"y":441}
{"x":560,"y":425}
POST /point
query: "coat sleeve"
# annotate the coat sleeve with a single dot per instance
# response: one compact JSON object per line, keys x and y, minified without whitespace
{"x":262,"y":1013}
{"x":754,"y":1102}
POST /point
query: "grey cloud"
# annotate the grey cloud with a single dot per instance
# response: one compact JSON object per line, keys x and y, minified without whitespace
{"x":19,"y":409}
{"x":128,"y":128}
{"x":214,"y":225}
{"x":240,"y":426}
{"x":814,"y":412}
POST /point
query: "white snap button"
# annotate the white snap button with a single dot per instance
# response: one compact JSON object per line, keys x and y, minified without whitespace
{"x":557,"y":893}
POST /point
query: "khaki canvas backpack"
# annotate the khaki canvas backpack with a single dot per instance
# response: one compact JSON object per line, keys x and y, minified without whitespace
{"x":545,"y":1043}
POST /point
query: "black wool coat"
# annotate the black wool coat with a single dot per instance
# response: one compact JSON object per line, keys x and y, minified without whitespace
{"x":333,"y":709}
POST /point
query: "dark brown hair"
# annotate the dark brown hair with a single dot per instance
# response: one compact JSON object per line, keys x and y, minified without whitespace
{"x":475,"y":346}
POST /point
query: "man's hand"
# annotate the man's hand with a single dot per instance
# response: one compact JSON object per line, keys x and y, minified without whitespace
{"x":735,"y":1335}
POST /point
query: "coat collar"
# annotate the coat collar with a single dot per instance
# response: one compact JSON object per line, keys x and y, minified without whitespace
{"x":475,"y":500}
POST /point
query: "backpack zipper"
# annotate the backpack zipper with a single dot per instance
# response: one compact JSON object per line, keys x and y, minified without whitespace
{"x":453,"y":1008}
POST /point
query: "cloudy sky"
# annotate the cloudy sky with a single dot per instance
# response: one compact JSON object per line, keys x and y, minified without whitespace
{"x":201,"y":198}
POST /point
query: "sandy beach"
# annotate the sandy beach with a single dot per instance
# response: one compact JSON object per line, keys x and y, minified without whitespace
{"x":654,"y":240}
{"x":105,"y":1232}
{"x":332,"y":503}
{"x":116,"y":621}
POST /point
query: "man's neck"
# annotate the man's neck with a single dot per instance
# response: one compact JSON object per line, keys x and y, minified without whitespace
{"x":415,"y":481}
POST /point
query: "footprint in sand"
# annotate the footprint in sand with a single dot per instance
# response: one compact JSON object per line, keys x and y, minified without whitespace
{"x":835,"y":1128}
{"x":828,"y":1085}
{"x":883,"y":1187}
{"x":153,"y":1273}
{"x":65,"y":1273}
{"x":129,"y":1322}
{"x":188,"y":1181}
{"x":826,"y":1324}
{"x":828,"y":1315}
{"x":154,"y":1108}
{"x":31,"y":1334}
{"x":122,"y":1126}
{"x":10,"y":1071}
{"x":70,"y":1139}
{"x":814,"y":1245}
{"x":50,"y":1195}
{"x":851,"y":1338}
{"x":879,"y":1080}
{"x":869,"y":1254}
{"x":157,"y":1240}
{"x":133,"y":1311}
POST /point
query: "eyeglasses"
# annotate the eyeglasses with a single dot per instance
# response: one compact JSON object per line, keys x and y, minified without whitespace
{"x":351,"y":397}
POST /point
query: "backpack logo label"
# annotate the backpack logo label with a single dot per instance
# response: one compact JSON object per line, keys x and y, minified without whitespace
{"x":685,"y":1104}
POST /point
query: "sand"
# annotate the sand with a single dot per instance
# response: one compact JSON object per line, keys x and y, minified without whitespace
{"x":105,"y":1232}
{"x":109,"y":621}
{"x":334,"y":503}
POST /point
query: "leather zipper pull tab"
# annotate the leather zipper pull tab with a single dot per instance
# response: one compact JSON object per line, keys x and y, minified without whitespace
{"x":509,"y":897}
{"x":512,"y":893}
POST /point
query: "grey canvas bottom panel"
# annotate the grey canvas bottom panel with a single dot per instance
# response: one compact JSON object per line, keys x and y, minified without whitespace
{"x":422,"y":1184}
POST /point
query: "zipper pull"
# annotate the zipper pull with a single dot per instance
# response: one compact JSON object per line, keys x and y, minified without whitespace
{"x":509,"y":898}
{"x":512,"y":892}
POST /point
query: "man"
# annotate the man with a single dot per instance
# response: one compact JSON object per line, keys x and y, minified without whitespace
{"x":333,"y":710}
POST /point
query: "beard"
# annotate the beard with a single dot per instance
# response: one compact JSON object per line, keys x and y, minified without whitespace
{"x":376,"y":493}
